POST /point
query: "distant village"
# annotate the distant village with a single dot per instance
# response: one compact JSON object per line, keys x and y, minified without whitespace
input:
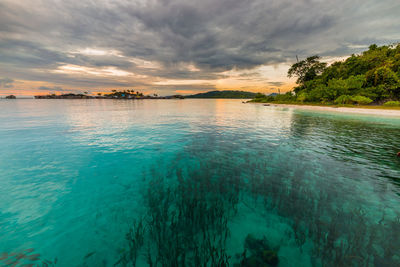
{"x":125,"y":94}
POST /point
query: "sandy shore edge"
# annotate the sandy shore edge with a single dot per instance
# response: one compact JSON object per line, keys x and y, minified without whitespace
{"x":366,"y":111}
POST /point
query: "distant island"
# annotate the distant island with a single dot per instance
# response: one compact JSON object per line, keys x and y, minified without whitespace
{"x":132,"y":94}
{"x":371,"y":78}
{"x":224,"y":94}
{"x":125,"y":94}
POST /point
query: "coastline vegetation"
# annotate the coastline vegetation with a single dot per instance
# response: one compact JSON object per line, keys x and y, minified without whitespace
{"x":224,"y":94}
{"x":369,"y":79}
{"x":124,"y":94}
{"x":132,"y":94}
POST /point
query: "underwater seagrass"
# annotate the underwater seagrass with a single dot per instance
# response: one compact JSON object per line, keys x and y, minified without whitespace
{"x":189,"y":206}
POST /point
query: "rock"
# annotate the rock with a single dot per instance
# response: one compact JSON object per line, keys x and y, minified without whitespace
{"x":270,"y":257}
{"x":253,"y":244}
{"x":254,"y":261}
{"x":260,"y":253}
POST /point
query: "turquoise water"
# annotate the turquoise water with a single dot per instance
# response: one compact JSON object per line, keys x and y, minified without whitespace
{"x":196,"y":182}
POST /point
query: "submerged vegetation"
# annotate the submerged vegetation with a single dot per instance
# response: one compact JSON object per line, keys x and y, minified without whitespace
{"x":26,"y":257}
{"x":186,"y":219}
{"x":190,"y":208}
{"x":373,"y":77}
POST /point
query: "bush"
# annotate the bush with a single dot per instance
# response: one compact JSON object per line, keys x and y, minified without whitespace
{"x":392,"y":104}
{"x":344,"y":99}
{"x":361,"y":100}
{"x":261,"y":98}
{"x":285,"y":97}
{"x":302,"y":97}
{"x":260,"y":95}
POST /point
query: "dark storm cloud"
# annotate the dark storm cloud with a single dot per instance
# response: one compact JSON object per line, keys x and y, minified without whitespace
{"x":278,"y":84}
{"x":55,"y":88}
{"x":39,"y":36}
{"x":182,"y":88}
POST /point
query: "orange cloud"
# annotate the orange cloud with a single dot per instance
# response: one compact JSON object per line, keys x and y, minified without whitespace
{"x":185,"y":91}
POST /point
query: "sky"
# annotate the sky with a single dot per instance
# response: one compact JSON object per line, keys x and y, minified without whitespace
{"x":179,"y":46}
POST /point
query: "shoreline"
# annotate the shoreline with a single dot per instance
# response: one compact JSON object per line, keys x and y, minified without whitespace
{"x":353,"y":110}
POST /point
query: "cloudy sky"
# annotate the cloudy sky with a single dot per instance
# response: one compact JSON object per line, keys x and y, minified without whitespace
{"x":179,"y":46}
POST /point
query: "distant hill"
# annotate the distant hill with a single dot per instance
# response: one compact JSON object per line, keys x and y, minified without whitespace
{"x":223,"y":94}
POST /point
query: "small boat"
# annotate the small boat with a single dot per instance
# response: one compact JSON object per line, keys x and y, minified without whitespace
{"x":267,"y":105}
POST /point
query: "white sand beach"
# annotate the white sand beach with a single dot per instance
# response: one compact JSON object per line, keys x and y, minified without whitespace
{"x":365,"y":111}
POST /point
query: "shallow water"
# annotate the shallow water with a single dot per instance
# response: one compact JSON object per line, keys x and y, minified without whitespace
{"x":319,"y":188}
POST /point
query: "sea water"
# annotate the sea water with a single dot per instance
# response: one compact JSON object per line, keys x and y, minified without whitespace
{"x":195,"y":182}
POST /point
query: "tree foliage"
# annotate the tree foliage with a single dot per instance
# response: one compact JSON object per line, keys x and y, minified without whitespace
{"x":307,"y":69}
{"x":372,"y":75}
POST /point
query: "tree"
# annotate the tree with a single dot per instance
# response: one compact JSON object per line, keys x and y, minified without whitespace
{"x":374,"y":74}
{"x":307,"y":70}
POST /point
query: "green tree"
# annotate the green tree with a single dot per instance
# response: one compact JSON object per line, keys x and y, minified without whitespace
{"x":302,"y":97}
{"x":307,"y":70}
{"x":392,"y":104}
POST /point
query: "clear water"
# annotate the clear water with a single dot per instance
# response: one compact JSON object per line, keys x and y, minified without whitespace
{"x":318,"y":188}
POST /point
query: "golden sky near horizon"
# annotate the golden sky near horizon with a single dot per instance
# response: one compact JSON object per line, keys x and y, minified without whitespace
{"x":264,"y":78}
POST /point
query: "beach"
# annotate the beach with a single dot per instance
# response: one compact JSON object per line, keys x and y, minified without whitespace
{"x":365,"y":111}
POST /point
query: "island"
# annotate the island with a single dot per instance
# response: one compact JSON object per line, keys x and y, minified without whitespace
{"x":224,"y":94}
{"x":10,"y":97}
{"x":132,"y":94}
{"x":370,"y":79}
{"x":124,"y":94}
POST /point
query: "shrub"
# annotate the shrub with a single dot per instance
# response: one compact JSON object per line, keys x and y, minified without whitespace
{"x":302,"y":97}
{"x":260,"y":95}
{"x":392,"y":104}
{"x":261,"y":98}
{"x":344,"y":99}
{"x":361,"y":100}
{"x":285,"y":97}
